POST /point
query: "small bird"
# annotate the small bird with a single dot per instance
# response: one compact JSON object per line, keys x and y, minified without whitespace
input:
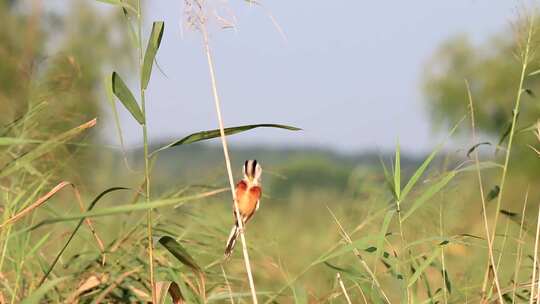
{"x":248,"y":194}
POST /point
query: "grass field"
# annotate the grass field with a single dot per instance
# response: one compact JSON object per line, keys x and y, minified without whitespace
{"x":83,"y":222}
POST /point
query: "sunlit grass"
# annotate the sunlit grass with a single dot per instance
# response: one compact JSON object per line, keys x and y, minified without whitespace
{"x":431,"y":232}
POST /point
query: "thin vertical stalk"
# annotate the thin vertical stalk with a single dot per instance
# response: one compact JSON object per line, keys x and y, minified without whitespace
{"x":482,"y":197}
{"x":524,"y":64}
{"x":343,"y":289}
{"x":146,"y":163}
{"x":519,"y":251}
{"x":535,"y":261}
{"x":228,"y":161}
{"x":441,"y":233}
{"x":356,"y":252}
{"x":403,"y":243}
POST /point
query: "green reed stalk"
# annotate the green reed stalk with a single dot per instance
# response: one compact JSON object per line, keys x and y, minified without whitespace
{"x":146,"y":158}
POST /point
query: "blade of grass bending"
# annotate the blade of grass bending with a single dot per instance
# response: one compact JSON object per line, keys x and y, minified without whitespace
{"x":90,"y":207}
{"x":44,"y":148}
{"x":204,"y":135}
{"x":153,"y":45}
{"x":423,"y":267}
{"x":39,"y":293}
{"x":356,"y":252}
{"x":299,"y":293}
{"x":481,"y":166}
{"x":10,"y":141}
{"x":382,"y":235}
{"x":179,"y":252}
{"x":388,"y":178}
{"x":110,"y":97}
{"x":130,"y":207}
{"x":434,"y":189}
{"x":473,"y":148}
{"x":119,"y":3}
{"x":38,"y":244}
{"x":420,"y":171}
{"x":343,"y":289}
{"x":168,"y":287}
{"x":122,"y":92}
{"x":356,"y":244}
{"x":35,"y":205}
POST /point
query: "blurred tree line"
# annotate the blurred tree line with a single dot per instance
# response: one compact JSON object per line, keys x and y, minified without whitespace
{"x":493,"y":71}
{"x":54,"y":59}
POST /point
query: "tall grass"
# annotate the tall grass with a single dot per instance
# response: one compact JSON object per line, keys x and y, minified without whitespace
{"x":410,"y":237}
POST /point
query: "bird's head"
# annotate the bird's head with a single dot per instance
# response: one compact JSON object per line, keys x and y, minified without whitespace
{"x":252,"y":171}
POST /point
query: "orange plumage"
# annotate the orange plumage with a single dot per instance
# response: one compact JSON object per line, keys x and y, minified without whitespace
{"x":248,"y":199}
{"x":248,"y":193}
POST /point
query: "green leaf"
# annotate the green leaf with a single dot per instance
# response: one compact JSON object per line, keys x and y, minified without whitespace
{"x":429,"y":193}
{"x":11,"y":141}
{"x":483,"y":165}
{"x":204,"y":135}
{"x":180,"y":253}
{"x":350,"y":272}
{"x":447,"y":281}
{"x":170,"y":288}
{"x":153,"y":45}
{"x":44,"y":148}
{"x":493,"y":193}
{"x":388,"y":179}
{"x":397,"y":174}
{"x":423,"y":267}
{"x":418,"y":173}
{"x":90,"y":207}
{"x":534,"y":73}
{"x":130,"y":207}
{"x":133,"y":35}
{"x":112,"y":103}
{"x":38,"y":294}
{"x":119,"y":3}
{"x":382,"y":235}
{"x":300,"y":295}
{"x":471,"y":150}
{"x":357,"y":244}
{"x":126,"y":97}
{"x":38,"y":245}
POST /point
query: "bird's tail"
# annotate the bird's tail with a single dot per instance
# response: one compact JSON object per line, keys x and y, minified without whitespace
{"x":231,"y":241}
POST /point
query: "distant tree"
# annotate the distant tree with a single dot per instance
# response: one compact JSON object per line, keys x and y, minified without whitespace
{"x":55,"y":57}
{"x":493,"y":72}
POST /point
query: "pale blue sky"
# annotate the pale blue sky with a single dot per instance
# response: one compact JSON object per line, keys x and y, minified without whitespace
{"x":348,"y":72}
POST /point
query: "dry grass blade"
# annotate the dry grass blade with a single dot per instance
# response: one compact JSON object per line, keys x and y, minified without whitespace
{"x":89,"y":283}
{"x":525,"y":56}
{"x":357,"y":253}
{"x":340,"y":281}
{"x":535,"y":261}
{"x":171,"y":288}
{"x":229,"y":290}
{"x":35,"y":205}
{"x":87,"y":220}
{"x":519,"y":251}
{"x":44,"y":199}
{"x":44,"y":148}
{"x":537,"y":133}
{"x":482,"y":197}
{"x":119,"y":279}
{"x":228,"y":162}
